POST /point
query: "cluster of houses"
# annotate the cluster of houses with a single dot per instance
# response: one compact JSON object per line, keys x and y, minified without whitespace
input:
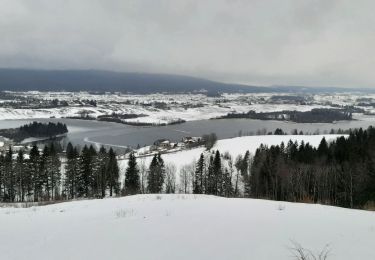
{"x":165,"y":146}
{"x":186,"y":142}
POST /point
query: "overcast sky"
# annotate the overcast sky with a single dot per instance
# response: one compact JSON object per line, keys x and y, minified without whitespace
{"x":263,"y":42}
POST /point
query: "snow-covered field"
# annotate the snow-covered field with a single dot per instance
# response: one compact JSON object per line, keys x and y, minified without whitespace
{"x":187,"y":107}
{"x":170,"y":227}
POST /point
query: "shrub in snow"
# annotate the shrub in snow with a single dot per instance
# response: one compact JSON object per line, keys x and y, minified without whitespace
{"x":124,"y":213}
{"x":301,"y":253}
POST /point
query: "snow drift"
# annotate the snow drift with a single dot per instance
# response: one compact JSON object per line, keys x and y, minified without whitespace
{"x":173,"y":227}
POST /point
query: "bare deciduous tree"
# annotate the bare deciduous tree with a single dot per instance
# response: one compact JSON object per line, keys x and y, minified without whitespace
{"x":186,"y":178}
{"x":170,"y":178}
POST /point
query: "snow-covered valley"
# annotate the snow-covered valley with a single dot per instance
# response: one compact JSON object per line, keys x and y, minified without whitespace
{"x":173,"y":227}
{"x":167,"y":108}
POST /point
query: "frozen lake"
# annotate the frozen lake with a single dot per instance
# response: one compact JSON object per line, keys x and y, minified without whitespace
{"x":85,"y":131}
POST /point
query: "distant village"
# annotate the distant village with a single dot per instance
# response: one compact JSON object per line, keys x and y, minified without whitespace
{"x":167,"y":146}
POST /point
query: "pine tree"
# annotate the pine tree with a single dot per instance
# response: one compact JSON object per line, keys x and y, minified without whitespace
{"x":323,"y":149}
{"x":210,"y":179}
{"x":199,"y":176}
{"x":218,"y":174}
{"x":113,"y":173}
{"x":84,"y":173}
{"x":132,"y":184}
{"x":44,"y":167}
{"x":92,"y":181}
{"x":101,"y":173}
{"x":2,"y":177}
{"x":156,"y":175}
{"x":34,"y":170}
{"x":54,"y":171}
{"x":20,"y":175}
{"x":10,"y":182}
{"x":71,"y":169}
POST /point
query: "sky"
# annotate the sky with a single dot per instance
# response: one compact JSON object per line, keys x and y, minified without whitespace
{"x":258,"y":42}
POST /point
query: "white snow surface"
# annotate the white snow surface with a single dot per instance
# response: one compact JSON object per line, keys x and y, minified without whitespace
{"x":170,"y":227}
{"x":188,"y":107}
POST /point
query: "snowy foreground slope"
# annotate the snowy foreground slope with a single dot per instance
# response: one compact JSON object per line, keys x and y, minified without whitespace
{"x":171,"y":227}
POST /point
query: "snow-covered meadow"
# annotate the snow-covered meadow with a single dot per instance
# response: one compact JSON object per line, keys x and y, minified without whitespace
{"x":169,"y":227}
{"x":188,"y":107}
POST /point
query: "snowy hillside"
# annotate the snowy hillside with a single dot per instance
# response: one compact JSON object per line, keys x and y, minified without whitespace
{"x":234,"y":146}
{"x":171,"y":227}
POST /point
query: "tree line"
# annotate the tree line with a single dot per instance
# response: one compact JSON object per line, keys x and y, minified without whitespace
{"x":34,"y":129}
{"x":316,"y":115}
{"x":341,"y":173}
{"x":40,"y":177}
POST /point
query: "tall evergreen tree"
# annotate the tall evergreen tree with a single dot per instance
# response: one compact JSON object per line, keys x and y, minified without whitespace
{"x":101,"y":172}
{"x":2,"y":177}
{"x":218,"y":174}
{"x":210,"y":178}
{"x":156,"y":175}
{"x":71,"y":170}
{"x":10,"y":181}
{"x":20,"y":175}
{"x":199,"y":176}
{"x":85,"y":173}
{"x":113,"y":173}
{"x":34,"y":171}
{"x":54,"y":172}
{"x":132,"y":184}
{"x":44,"y":167}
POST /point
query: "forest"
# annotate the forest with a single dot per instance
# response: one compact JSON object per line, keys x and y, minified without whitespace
{"x":316,"y":115}
{"x":34,"y":129}
{"x":341,"y":173}
{"x":39,"y":177}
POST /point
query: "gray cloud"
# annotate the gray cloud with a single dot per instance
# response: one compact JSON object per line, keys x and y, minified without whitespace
{"x":309,"y":42}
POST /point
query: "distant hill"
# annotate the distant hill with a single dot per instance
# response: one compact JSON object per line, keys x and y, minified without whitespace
{"x":141,"y":83}
{"x":95,"y":80}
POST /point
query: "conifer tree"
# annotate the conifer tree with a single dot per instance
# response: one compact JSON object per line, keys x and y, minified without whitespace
{"x":2,"y":177}
{"x":199,"y":176}
{"x":113,"y":173}
{"x":101,"y":172}
{"x":34,"y":169}
{"x":20,"y":175}
{"x":84,"y":173}
{"x":71,"y":170}
{"x":218,"y":174}
{"x":44,"y":167}
{"x":210,"y":179}
{"x":132,"y":184}
{"x":156,"y":175}
{"x":10,"y":182}
{"x":54,"y":172}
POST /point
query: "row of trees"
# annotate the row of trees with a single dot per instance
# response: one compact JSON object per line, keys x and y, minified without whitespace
{"x":90,"y":173}
{"x":212,"y":174}
{"x":37,"y":129}
{"x":341,"y":173}
{"x":35,"y":178}
{"x":40,"y":177}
